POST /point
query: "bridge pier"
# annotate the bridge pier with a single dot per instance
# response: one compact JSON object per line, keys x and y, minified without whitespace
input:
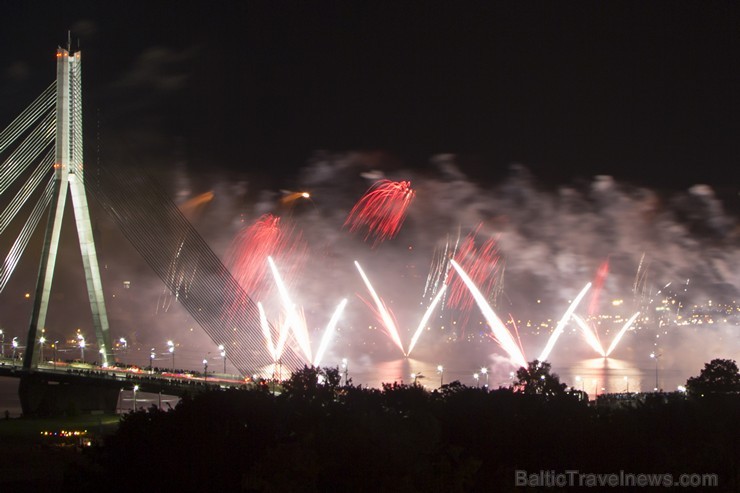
{"x":54,"y":395}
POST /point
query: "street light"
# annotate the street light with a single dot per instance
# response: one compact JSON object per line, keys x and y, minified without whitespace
{"x":171,"y":346}
{"x":476,"y":376}
{"x":54,"y":347}
{"x":223,"y":355}
{"x":42,"y":340}
{"x":124,"y":343}
{"x":151,"y":360}
{"x":655,"y":356}
{"x":414,"y":376}
{"x":345,"y":367}
{"x":136,"y":389}
{"x":205,"y":370}
{"x":583,"y":383}
{"x":484,"y":371}
{"x":14,"y":343}
{"x":441,"y":370}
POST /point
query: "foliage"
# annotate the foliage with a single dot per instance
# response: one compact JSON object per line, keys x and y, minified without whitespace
{"x":316,"y":437}
{"x":537,"y":379}
{"x":717,"y":376}
{"x":313,"y":383}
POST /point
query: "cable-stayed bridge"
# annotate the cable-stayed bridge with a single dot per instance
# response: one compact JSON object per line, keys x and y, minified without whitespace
{"x":42,"y":159}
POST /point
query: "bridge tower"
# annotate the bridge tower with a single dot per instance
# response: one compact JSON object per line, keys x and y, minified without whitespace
{"x":68,"y":175}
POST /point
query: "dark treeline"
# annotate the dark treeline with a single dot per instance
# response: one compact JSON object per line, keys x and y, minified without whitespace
{"x":323,"y":437}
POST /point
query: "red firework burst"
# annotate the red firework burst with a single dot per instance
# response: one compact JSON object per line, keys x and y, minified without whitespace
{"x":598,"y":285}
{"x":382,"y":209}
{"x":481,"y":264}
{"x":251,"y":247}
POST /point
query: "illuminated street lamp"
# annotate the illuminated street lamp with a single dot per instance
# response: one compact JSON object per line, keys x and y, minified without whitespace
{"x":42,"y":340}
{"x":205,"y":369}
{"x":136,"y":389}
{"x":171,"y":349}
{"x":124,"y":343}
{"x":82,"y":346}
{"x":14,"y":343}
{"x":484,"y":371}
{"x":345,"y":367}
{"x":414,"y":376}
{"x":441,"y":370}
{"x":476,"y":376}
{"x":223,"y":355}
{"x":151,"y":360}
{"x":655,"y":356}
{"x":583,"y":383}
{"x":54,"y":347}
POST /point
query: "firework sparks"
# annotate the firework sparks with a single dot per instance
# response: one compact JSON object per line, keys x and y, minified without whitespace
{"x":296,"y":319}
{"x":382,"y":209}
{"x":481,"y":263}
{"x":384,"y":313}
{"x":267,"y":237}
{"x":329,"y":332}
{"x":601,"y":274}
{"x":500,"y":333}
{"x":561,"y":324}
{"x":425,"y":319}
{"x":590,"y":335}
{"x":621,"y":333}
{"x":267,"y":332}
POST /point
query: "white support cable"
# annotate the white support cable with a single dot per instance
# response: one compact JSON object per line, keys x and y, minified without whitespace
{"x":14,"y":255}
{"x":20,"y":199}
{"x":42,"y":104}
{"x":29,"y":150}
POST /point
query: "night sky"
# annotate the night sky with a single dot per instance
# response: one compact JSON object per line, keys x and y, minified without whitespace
{"x":642,"y":91}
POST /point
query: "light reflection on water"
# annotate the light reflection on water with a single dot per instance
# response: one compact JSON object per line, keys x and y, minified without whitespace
{"x":594,"y":375}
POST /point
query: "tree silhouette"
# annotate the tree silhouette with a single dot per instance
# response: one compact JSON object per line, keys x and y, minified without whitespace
{"x":313,"y":382}
{"x":717,"y":376}
{"x":537,"y":379}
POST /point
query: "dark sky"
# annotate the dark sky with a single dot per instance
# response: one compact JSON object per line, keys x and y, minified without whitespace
{"x":643,"y":91}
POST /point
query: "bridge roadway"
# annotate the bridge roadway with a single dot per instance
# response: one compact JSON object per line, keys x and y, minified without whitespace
{"x":59,"y":388}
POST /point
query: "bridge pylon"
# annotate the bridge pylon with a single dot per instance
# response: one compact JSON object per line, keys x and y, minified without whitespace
{"x":68,"y":176}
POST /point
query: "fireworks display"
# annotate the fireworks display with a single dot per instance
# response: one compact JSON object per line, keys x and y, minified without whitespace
{"x":418,"y":302}
{"x":619,"y":336}
{"x":382,"y":311}
{"x":589,"y":334}
{"x":500,"y":333}
{"x":267,"y":237}
{"x":561,"y":324}
{"x":382,"y":209}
